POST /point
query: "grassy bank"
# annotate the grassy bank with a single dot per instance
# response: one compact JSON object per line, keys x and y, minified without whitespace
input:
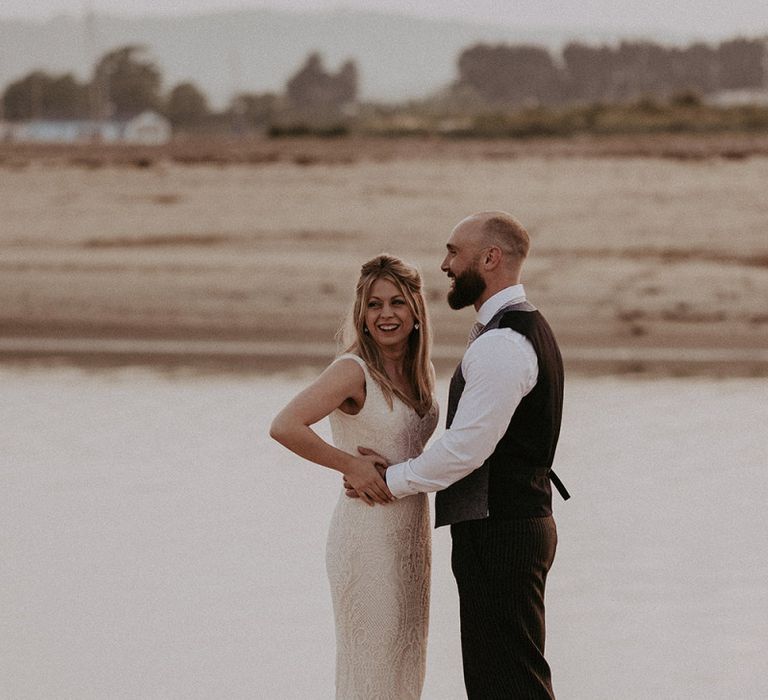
{"x":307,"y":151}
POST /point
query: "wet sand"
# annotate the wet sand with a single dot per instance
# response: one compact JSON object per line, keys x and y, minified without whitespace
{"x":157,"y":544}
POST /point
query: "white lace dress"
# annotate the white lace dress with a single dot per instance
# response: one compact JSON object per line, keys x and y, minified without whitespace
{"x":378,"y":560}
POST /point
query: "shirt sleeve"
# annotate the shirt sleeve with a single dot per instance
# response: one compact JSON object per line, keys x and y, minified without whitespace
{"x":499,"y":369}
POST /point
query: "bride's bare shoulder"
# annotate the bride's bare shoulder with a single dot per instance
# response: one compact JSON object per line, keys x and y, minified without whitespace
{"x":346,"y":372}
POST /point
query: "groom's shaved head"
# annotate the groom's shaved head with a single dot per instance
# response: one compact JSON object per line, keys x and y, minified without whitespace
{"x":500,"y":229}
{"x":485,"y":254}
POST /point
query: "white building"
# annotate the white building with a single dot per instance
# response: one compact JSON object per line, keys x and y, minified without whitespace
{"x":148,"y":128}
{"x":739,"y":98}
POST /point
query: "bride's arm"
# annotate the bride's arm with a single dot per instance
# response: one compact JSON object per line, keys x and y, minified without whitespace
{"x":341,"y":382}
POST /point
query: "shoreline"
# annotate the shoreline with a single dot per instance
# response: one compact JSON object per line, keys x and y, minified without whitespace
{"x":219,"y":151}
{"x":253,"y":356}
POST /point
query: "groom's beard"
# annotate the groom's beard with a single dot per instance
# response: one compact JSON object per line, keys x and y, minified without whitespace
{"x":467,"y":288}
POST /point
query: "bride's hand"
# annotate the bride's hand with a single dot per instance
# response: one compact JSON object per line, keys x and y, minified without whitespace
{"x":349,"y":492}
{"x":365,"y":479}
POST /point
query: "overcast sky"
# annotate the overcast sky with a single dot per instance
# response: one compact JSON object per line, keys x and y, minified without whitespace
{"x":706,"y":19}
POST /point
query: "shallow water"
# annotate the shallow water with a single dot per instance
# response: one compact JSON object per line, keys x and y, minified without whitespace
{"x":157,"y":544}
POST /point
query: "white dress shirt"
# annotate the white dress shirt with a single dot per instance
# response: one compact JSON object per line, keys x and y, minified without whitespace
{"x":500,"y":367}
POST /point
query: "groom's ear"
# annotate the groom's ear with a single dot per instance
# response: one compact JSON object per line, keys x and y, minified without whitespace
{"x":492,"y":257}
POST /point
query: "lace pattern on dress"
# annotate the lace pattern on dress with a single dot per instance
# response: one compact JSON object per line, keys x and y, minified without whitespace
{"x":378,"y":560}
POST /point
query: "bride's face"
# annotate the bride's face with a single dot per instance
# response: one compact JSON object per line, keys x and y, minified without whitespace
{"x":387,"y":316}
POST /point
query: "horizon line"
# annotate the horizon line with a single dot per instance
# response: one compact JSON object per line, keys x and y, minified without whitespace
{"x":616,"y":33}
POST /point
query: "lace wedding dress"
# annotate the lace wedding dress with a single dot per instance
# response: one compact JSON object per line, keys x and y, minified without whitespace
{"x":378,"y":560}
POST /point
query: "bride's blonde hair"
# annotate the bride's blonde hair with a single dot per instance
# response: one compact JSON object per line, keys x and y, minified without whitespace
{"x":418,"y":367}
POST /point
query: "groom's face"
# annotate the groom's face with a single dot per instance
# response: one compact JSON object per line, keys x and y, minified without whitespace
{"x":467,"y":287}
{"x":462,"y":265}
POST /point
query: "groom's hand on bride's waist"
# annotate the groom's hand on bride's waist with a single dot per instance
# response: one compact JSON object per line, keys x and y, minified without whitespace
{"x":379,"y":462}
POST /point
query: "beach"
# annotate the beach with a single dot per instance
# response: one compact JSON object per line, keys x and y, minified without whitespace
{"x":161,"y":304}
{"x":642,"y":260}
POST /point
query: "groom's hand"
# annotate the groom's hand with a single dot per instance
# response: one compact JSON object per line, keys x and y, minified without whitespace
{"x":351,"y":493}
{"x":380,"y":464}
{"x":365,"y":478}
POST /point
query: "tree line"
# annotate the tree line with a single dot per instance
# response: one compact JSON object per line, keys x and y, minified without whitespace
{"x":514,"y":75}
{"x":125,"y":82}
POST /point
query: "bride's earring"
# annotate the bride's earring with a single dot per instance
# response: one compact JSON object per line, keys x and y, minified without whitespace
{"x":416,"y":326}
{"x":365,"y":330}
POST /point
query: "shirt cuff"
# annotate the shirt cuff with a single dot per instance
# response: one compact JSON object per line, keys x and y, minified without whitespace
{"x":397,"y":481}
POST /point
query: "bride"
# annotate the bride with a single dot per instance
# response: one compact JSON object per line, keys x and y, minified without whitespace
{"x":379,"y":393}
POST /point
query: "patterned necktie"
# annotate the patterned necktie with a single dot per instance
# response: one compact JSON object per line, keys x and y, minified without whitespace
{"x":476,"y":329}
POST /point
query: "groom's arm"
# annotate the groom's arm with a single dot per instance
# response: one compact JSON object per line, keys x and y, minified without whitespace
{"x":499,"y":368}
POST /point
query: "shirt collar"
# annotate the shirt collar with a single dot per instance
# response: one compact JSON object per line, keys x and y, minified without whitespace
{"x":509,"y":295}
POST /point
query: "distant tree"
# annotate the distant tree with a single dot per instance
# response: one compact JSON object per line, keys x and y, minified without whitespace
{"x":588,"y":72}
{"x":126,"y":85}
{"x":252,"y":110}
{"x":187,"y":105}
{"x":636,"y":68}
{"x":742,"y":63}
{"x":42,"y":96}
{"x":346,"y":83}
{"x":697,"y":69}
{"x":510,"y":74}
{"x":312,"y":88}
{"x":641,"y":68}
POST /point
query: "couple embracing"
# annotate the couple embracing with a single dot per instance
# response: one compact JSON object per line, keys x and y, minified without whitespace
{"x":491,"y":470}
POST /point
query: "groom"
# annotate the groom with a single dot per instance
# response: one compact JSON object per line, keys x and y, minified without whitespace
{"x":492,"y":466}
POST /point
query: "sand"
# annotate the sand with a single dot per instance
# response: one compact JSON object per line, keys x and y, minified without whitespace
{"x":637,"y":253}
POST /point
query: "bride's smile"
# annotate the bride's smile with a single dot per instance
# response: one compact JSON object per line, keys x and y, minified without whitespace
{"x":388,"y":318}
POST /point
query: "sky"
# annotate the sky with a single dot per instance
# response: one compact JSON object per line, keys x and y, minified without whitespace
{"x":685,"y":19}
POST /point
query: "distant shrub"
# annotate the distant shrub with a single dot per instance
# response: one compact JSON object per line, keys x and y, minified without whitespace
{"x":753,"y":118}
{"x":683,"y":113}
{"x":276,"y":132}
{"x":688,"y":98}
{"x":527,"y":123}
{"x":648,"y":105}
{"x":332,"y":131}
